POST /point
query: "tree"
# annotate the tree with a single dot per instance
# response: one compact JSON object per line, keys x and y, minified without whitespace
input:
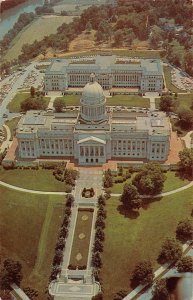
{"x":167,"y":103}
{"x":32,"y":91}
{"x":100,"y":222}
{"x":185,"y":264}
{"x":188,"y":63}
{"x":143,"y":273}
{"x":186,"y":117}
{"x":98,"y":246}
{"x":160,"y":290}
{"x":130,"y":197}
{"x":100,"y":234}
{"x":10,"y":273}
{"x":186,"y":162}
{"x":59,"y":104}
{"x":101,"y":200}
{"x":171,"y":251}
{"x":69,"y":200}
{"x":150,"y":180}
{"x":96,"y":260}
{"x":184,"y":230}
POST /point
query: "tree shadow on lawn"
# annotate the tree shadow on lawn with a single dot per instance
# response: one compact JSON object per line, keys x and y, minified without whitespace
{"x":131,"y":214}
{"x":146,"y":202}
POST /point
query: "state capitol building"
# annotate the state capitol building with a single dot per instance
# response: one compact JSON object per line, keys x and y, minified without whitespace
{"x":93,"y":135}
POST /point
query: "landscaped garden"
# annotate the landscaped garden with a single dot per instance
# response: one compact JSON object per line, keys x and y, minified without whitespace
{"x":15,"y":105}
{"x":28,"y":229}
{"x":133,"y":237}
{"x":172,"y":182}
{"x":81,"y":241}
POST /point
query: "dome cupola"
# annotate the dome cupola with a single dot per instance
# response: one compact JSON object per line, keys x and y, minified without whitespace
{"x":93,"y":101}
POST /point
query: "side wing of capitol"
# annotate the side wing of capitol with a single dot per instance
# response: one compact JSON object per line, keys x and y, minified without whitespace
{"x":93,"y":135}
{"x":111,"y":72}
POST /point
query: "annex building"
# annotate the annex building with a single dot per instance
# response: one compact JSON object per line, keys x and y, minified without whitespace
{"x":92,"y":135}
{"x":111,"y":72}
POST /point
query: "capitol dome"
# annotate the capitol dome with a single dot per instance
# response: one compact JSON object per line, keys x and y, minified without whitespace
{"x":93,"y":101}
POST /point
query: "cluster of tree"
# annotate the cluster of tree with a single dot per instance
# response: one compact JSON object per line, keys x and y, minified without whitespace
{"x":130,"y":197}
{"x":23,"y":20}
{"x":186,"y":163}
{"x":59,"y":104}
{"x":37,"y":102}
{"x":61,"y":241}
{"x":143,"y":273}
{"x":10,"y":273}
{"x":150,"y":180}
{"x":171,"y":251}
{"x":31,"y":293}
{"x":184,"y":230}
{"x":45,"y":9}
{"x":65,"y":175}
{"x":168,"y":103}
{"x":5,"y":5}
{"x":99,"y":234}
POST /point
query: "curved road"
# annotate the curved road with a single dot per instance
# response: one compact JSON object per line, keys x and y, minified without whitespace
{"x":187,"y":186}
{"x":13,"y":187}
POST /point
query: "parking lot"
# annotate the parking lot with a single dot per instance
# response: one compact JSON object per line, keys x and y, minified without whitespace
{"x":180,"y":80}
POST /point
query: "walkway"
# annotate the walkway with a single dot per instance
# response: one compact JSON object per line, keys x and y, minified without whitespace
{"x":151,"y":96}
{"x":187,"y":139}
{"x":95,"y":185}
{"x":85,"y":288}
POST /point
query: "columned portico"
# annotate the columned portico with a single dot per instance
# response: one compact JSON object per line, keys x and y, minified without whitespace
{"x":92,"y":151}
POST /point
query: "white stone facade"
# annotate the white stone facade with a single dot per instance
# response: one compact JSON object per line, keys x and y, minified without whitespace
{"x":93,"y":136}
{"x":110,"y":71}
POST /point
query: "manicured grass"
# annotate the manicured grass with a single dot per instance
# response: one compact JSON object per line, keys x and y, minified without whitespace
{"x":15,"y":104}
{"x":126,"y":100}
{"x":41,"y":180}
{"x":81,"y":245}
{"x":168,"y":79}
{"x":29,"y":226}
{"x":71,"y":100}
{"x":172,"y":182}
{"x":37,"y":30}
{"x":183,"y":100}
{"x":131,"y":238}
{"x":12,"y":124}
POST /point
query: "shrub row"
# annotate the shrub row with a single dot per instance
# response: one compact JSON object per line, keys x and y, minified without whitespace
{"x":61,"y":241}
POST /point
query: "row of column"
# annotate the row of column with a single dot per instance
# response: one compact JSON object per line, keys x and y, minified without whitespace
{"x":94,"y":151}
{"x":27,"y":148}
{"x":131,"y":145}
{"x":56,"y":145}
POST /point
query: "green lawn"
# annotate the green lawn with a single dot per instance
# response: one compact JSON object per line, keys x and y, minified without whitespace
{"x":130,"y":239}
{"x":12,"y":124}
{"x":184,"y":101}
{"x":126,"y":100}
{"x":168,"y":79}
{"x":36,"y":30}
{"x":172,"y":182}
{"x":15,"y":104}
{"x":71,"y":100}
{"x":41,"y":179}
{"x":28,"y":228}
{"x":81,"y":245}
